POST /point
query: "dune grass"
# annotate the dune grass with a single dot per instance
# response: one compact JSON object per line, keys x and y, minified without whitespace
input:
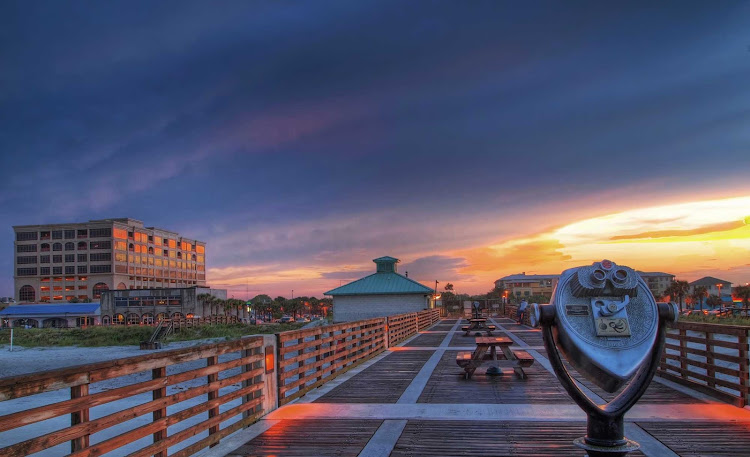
{"x":712,"y":319}
{"x":96,"y":336}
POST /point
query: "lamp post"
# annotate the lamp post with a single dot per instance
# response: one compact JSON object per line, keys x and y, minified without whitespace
{"x":721,"y":302}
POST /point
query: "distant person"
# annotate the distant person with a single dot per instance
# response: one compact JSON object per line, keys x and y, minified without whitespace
{"x":522,"y":310}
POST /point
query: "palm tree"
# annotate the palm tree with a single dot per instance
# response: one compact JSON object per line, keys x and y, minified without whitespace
{"x":678,"y":290}
{"x":743,"y":292}
{"x":205,"y":300}
{"x":698,"y":293}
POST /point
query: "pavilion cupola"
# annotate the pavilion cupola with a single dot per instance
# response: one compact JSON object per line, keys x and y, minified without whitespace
{"x":386,"y":264}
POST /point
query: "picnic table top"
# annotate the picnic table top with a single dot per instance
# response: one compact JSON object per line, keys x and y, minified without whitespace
{"x":493,"y":341}
{"x":478,"y":319}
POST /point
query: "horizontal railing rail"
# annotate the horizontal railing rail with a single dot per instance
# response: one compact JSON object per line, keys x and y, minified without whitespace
{"x":712,"y":358}
{"x":310,"y":357}
{"x":427,"y":318}
{"x":401,"y":327}
{"x":109,"y":402}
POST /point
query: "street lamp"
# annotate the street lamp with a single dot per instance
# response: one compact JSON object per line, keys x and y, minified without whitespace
{"x":720,"y":299}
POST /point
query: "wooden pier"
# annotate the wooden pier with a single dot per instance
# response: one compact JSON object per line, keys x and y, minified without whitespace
{"x":412,"y":400}
{"x":386,"y":386}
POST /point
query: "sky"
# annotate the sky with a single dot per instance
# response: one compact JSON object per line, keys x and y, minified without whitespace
{"x":301,"y":140}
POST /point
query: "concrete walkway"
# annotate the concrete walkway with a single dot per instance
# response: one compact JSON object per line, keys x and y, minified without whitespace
{"x":413,"y":400}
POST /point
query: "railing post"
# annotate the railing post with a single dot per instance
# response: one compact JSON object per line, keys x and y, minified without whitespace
{"x":710,"y":372}
{"x":78,"y":417}
{"x":318,"y":347}
{"x":161,"y":392}
{"x":683,"y":354}
{"x":744,"y":382}
{"x":213,"y":394}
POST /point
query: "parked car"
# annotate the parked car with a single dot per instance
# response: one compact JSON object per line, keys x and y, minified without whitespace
{"x":287,"y":319}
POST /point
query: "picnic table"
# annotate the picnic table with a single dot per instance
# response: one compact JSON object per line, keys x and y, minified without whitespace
{"x":517,"y":360}
{"x":477,"y":324}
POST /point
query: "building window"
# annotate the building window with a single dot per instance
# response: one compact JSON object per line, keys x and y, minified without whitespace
{"x":133,"y":319}
{"x":56,"y":271}
{"x":70,"y":234}
{"x":82,"y":269}
{"x":45,"y":247}
{"x":56,"y":259}
{"x":70,"y":258}
{"x":84,"y":233}
{"x":98,"y":288}
{"x":100,"y":233}
{"x":57,"y":247}
{"x":44,"y":271}
{"x":70,"y":269}
{"x":57,"y":234}
{"x":26,"y":272}
{"x":26,"y":236}
{"x":121,"y":245}
{"x":26,"y":248}
{"x":82,"y":258}
{"x":44,"y":235}
{"x":70,"y":246}
{"x":106,"y":320}
{"x":100,"y":245}
{"x":100,"y":257}
{"x":82,"y":245}
{"x":101,"y":269}
{"x":131,"y":247}
{"x":27,"y":293}
{"x":118,"y":319}
{"x":120,"y":233}
{"x":178,"y":316}
{"x":147,"y":319}
{"x":26,"y":259}
{"x":43,"y":259}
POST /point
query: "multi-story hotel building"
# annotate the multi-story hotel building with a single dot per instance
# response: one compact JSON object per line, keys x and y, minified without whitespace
{"x":60,"y":262}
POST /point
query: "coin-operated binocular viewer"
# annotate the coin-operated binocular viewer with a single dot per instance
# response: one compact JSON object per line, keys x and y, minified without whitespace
{"x":605,"y":321}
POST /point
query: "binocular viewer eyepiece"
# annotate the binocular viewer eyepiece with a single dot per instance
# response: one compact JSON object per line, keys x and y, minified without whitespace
{"x":605,"y":321}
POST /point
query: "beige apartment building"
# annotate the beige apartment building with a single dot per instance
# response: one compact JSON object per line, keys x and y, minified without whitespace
{"x":523,"y":285}
{"x":59,"y":262}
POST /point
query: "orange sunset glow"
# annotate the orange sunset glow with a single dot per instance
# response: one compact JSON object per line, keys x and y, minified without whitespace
{"x":690,"y":240}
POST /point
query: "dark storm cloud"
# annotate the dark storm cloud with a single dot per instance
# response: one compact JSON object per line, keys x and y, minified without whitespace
{"x":281,"y":131}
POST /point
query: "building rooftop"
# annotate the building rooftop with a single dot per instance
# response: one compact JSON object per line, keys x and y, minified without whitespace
{"x":525,"y":277}
{"x":63,"y":308}
{"x":386,"y":281}
{"x":710,"y":281}
{"x":653,"y":273}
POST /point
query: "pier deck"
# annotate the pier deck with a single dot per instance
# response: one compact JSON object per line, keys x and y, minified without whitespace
{"x":413,"y":400}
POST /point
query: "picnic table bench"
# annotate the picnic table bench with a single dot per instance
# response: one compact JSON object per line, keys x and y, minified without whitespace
{"x":467,"y":329}
{"x":478,"y":326}
{"x":518,"y":360}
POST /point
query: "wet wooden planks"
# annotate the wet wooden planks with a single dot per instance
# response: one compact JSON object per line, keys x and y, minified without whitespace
{"x":447,"y":385}
{"x":427,"y":340}
{"x":702,"y":439}
{"x":308,"y":437}
{"x":454,"y":438}
{"x":531,"y":337}
{"x":656,"y":393}
{"x":383,"y":382}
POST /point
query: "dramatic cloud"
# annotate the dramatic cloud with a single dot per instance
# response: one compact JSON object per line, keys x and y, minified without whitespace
{"x":301,"y":140}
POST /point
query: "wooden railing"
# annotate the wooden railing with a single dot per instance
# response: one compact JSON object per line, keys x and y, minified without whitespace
{"x":401,"y":327}
{"x":712,"y":358}
{"x":308,"y":358}
{"x":187,"y":381}
{"x":427,"y":318}
{"x":511,"y":312}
